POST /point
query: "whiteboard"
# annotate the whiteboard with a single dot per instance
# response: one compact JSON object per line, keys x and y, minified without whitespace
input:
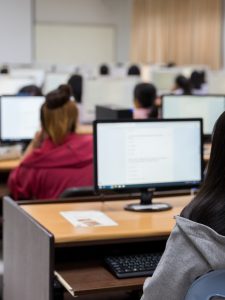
{"x":73,"y":44}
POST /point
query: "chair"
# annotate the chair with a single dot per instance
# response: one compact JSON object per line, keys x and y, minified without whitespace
{"x":78,"y":192}
{"x":209,"y":286}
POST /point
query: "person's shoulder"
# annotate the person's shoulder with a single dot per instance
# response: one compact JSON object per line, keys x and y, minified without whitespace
{"x":80,"y":137}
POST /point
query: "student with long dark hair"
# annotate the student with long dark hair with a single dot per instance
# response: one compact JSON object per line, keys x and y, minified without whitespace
{"x":182,"y":86}
{"x":198,"y":83}
{"x":76,"y":84}
{"x":196,"y":245}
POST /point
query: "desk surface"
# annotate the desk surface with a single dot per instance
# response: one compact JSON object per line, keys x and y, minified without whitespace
{"x":8,"y":165}
{"x":131,"y":225}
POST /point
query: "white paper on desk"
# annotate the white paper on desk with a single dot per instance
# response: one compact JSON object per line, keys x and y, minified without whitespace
{"x":88,"y":218}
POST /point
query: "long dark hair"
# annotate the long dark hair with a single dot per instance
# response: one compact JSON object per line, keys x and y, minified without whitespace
{"x":196,"y":80}
{"x":183,"y":83}
{"x":208,"y":207}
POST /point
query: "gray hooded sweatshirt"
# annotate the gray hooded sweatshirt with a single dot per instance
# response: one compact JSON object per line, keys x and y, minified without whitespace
{"x":192,"y":250}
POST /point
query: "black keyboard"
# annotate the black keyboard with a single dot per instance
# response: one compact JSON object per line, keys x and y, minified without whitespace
{"x":126,"y":266}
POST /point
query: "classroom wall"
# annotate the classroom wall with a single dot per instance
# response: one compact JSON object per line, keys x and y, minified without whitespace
{"x":91,"y":12}
{"x":16,"y":31}
{"x":17,"y":41}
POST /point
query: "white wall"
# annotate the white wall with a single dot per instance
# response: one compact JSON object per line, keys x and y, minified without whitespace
{"x":91,"y":12}
{"x":16,"y":31}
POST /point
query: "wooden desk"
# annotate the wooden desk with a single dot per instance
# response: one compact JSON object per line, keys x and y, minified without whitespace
{"x":8,"y":165}
{"x":130,"y":225}
{"x":76,"y":254}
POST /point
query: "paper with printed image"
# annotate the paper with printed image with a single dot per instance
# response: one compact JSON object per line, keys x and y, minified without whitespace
{"x":88,"y":218}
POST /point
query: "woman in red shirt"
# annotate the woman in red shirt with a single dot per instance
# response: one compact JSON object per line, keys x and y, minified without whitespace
{"x":57,"y":158}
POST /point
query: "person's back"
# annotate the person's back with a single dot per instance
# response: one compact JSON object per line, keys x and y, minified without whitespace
{"x":48,"y":171}
{"x":197,"y":242}
{"x":62,"y":160}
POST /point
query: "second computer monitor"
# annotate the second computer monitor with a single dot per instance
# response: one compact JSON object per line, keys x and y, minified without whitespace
{"x":208,"y":107}
{"x":138,"y":155}
{"x":20,"y":117}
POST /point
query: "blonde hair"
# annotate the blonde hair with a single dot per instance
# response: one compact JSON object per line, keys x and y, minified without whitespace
{"x":59,"y":114}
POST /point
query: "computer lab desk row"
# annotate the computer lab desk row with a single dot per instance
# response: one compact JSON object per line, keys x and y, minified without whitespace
{"x":41,"y":245}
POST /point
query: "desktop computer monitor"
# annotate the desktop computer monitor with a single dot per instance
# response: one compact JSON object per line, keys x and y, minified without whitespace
{"x":19,"y":117}
{"x":146,"y":155}
{"x":207,"y":107}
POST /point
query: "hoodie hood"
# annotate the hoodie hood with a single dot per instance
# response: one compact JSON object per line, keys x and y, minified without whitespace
{"x":192,"y":250}
{"x":206,"y":242}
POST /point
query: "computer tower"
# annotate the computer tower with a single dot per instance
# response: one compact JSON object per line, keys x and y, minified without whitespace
{"x":112,"y":112}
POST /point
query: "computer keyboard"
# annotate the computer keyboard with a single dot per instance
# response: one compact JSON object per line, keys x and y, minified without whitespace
{"x":126,"y":266}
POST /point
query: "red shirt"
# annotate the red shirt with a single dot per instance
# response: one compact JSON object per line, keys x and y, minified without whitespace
{"x":49,"y":170}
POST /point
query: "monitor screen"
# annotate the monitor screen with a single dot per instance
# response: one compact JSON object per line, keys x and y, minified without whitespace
{"x":143,"y":154}
{"x":20,"y":117}
{"x":209,"y":108}
{"x":106,"y":91}
{"x":11,"y":86}
{"x":164,"y":79}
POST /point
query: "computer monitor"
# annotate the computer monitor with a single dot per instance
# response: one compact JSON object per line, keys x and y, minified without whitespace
{"x":11,"y":86}
{"x":147,"y":155}
{"x":209,"y":108}
{"x":19,"y":117}
{"x":164,"y":79}
{"x":106,"y":91}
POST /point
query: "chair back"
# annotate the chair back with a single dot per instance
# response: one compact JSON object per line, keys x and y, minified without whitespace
{"x":208,"y":286}
{"x":78,"y":192}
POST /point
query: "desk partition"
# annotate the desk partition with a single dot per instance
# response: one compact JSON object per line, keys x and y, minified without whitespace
{"x":42,"y":243}
{"x":28,"y":256}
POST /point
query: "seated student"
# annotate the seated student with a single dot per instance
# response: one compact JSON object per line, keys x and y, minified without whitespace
{"x":30,"y":90}
{"x":145,"y":96}
{"x":104,"y":70}
{"x":197,"y":242}
{"x":198,"y":83}
{"x":76,"y":84}
{"x":182,"y":86}
{"x":57,"y":158}
{"x":134,"y":70}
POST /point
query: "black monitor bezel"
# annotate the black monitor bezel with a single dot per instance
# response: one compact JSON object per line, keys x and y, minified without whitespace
{"x":13,"y":141}
{"x":206,"y":136}
{"x":175,"y":186}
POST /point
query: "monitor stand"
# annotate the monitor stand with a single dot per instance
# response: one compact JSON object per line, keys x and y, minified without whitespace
{"x":146,"y":203}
